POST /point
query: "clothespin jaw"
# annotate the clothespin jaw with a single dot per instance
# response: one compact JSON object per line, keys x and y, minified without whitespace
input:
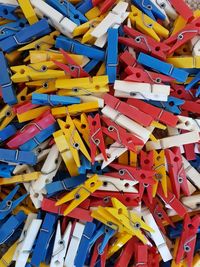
{"x":82,"y":126}
{"x":79,"y":194}
{"x":7,"y":11}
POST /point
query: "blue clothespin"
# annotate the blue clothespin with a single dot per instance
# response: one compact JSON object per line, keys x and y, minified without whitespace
{"x":65,"y":184}
{"x":42,"y":243}
{"x":16,"y":156}
{"x":7,"y":132}
{"x":147,"y":7}
{"x":8,"y":91}
{"x":6,"y":170}
{"x":12,"y":28}
{"x":112,"y":55}
{"x":84,"y":6}
{"x":107,"y":234}
{"x":196,"y":163}
{"x":171,"y":105}
{"x":193,"y":82}
{"x":85,"y":165}
{"x":78,"y":48}
{"x":8,"y":204}
{"x":39,"y":138}
{"x":10,"y":226}
{"x":160,"y":66}
{"x":176,"y":232}
{"x":84,"y":244}
{"x":68,"y":10}
{"x":25,"y":36}
{"x":90,"y":65}
{"x":54,"y":100}
{"x":7,"y":11}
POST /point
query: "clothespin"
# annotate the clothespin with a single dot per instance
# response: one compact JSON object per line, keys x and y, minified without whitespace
{"x":74,"y":244}
{"x":26,"y":35}
{"x":101,"y":258}
{"x":166,"y":8}
{"x":60,"y":245}
{"x":191,"y":173}
{"x":187,"y":240}
{"x":184,"y":35}
{"x":16,"y":156}
{"x":193,"y":82}
{"x":43,"y":239}
{"x":190,"y":62}
{"x":7,"y":258}
{"x":28,"y":11}
{"x":53,"y":100}
{"x":191,"y":106}
{"x":20,"y":178}
{"x":73,"y":139}
{"x":183,"y":9}
{"x":90,"y":186}
{"x":6,"y":170}
{"x":9,"y":226}
{"x":120,"y":240}
{"x":71,"y":68}
{"x":11,"y":28}
{"x":7,"y":205}
{"x":82,"y":126}
{"x":7,"y":132}
{"x":142,"y":22}
{"x":162,"y":67}
{"x":8,"y":11}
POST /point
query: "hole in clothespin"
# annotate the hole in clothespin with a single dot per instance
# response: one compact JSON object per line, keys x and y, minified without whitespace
{"x":127,"y":199}
{"x":162,"y":5}
{"x":76,"y":145}
{"x":171,"y":103}
{"x":97,"y":87}
{"x":137,"y":225}
{"x":5,"y":11}
{"x":45,"y":85}
{"x":83,"y":126}
{"x":146,"y":161}
{"x":138,"y":75}
{"x":197,"y":24}
{"x":126,"y":185}
{"x":92,"y":184}
{"x":8,"y":113}
{"x":121,"y":172}
{"x":94,"y":123}
{"x":105,"y":183}
{"x":160,"y":215}
{"x":67,"y":126}
{"x":22,"y":71}
{"x":77,"y":196}
{"x":187,"y":248}
{"x":176,"y":159}
{"x":76,"y":16}
{"x":120,"y":211}
{"x":197,"y":205}
{"x":36,"y":195}
{"x":143,"y":176}
{"x":23,"y":98}
{"x":157,"y":48}
{"x":158,"y":158}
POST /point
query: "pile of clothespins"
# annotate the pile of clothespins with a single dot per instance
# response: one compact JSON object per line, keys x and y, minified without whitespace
{"x":99,"y":132}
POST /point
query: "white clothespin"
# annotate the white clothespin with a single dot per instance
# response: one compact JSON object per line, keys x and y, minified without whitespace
{"x":165,"y":7}
{"x":55,"y":18}
{"x":144,"y":91}
{"x":28,"y":243}
{"x":157,"y":236}
{"x":192,"y":174}
{"x":90,"y":98}
{"x":171,"y":141}
{"x":101,"y":41}
{"x":125,"y":122}
{"x":74,"y":244}
{"x":60,"y":246}
{"x":115,"y":17}
{"x":195,"y":46}
{"x":30,"y":218}
{"x":189,"y":124}
{"x":113,"y":152}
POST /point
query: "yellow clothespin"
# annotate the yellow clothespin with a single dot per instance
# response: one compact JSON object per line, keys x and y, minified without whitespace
{"x":37,"y":71}
{"x":133,"y":159}
{"x":84,"y":86}
{"x":75,"y":109}
{"x":28,"y":11}
{"x":120,"y":239}
{"x":159,"y":167}
{"x":179,"y":24}
{"x":31,"y":114}
{"x":82,"y":126}
{"x":185,"y":62}
{"x":65,"y":152}
{"x":93,"y":13}
{"x":43,"y":86}
{"x":147,"y":25}
{"x":7,"y":114}
{"x":6,"y":260}
{"x":22,"y":178}
{"x":74,"y":140}
{"x":79,"y":194}
{"x":44,"y":43}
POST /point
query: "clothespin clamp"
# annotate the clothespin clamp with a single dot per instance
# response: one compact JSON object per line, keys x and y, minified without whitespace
{"x":183,"y":9}
{"x":80,"y":193}
{"x":7,"y":11}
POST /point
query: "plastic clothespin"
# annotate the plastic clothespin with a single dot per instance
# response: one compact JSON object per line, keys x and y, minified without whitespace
{"x":68,"y":10}
{"x":8,"y":256}
{"x":79,"y":194}
{"x":26,"y":35}
{"x":6,"y":170}
{"x":142,"y":22}
{"x":97,"y":259}
{"x":166,"y":8}
{"x":54,"y":100}
{"x":191,"y":106}
{"x":194,"y":81}
{"x":82,"y":126}
{"x":7,"y":132}
{"x":22,"y":178}
{"x":8,"y":11}
{"x":190,"y":62}
{"x":28,"y":11}
{"x":60,"y":246}
{"x":176,"y":171}
{"x":71,"y":68}
{"x":162,"y":67}
{"x":43,"y":239}
{"x":8,"y":204}
{"x":183,"y":9}
{"x":16,"y":156}
{"x":11,"y":28}
{"x":96,"y":137}
{"x":85,"y":6}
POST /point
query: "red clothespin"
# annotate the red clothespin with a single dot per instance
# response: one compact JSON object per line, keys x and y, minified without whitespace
{"x":184,"y":35}
{"x":172,"y":201}
{"x":153,"y":257}
{"x":126,"y":254}
{"x":95,"y":254}
{"x":157,"y":113}
{"x":127,"y":59}
{"x":182,"y":8}
{"x":159,"y":214}
{"x":144,"y":76}
{"x":144,"y":177}
{"x":120,"y":135}
{"x":129,"y":111}
{"x":23,"y":107}
{"x":141,"y":255}
{"x":188,"y":239}
{"x":31,"y":129}
{"x":71,"y":67}
{"x":128,"y":199}
{"x":106,"y":5}
{"x":176,"y":171}
{"x":180,"y":92}
{"x":144,"y":43}
{"x":96,"y":137}
{"x":191,"y":106}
